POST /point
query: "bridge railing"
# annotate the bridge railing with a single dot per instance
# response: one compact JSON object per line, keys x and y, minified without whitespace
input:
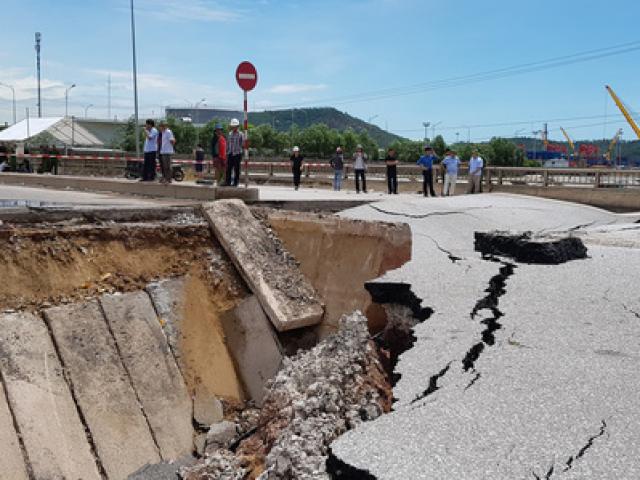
{"x":572,"y":177}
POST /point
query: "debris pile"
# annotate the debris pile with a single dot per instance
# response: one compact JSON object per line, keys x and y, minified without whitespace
{"x":317,"y":396}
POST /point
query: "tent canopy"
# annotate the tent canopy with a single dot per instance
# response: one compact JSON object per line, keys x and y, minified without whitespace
{"x":63,"y":129}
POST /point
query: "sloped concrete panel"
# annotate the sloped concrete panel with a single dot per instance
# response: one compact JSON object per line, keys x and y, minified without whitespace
{"x":102,"y":388}
{"x":153,"y":370}
{"x":11,"y":460}
{"x":254,"y":344}
{"x":40,"y":398}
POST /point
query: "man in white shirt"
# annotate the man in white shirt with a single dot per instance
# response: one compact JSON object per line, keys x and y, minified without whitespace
{"x":166,"y":150}
{"x":475,"y":172}
{"x":451,"y":162}
{"x":150,"y":151}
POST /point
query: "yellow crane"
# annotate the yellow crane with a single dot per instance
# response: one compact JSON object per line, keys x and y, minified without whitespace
{"x":571,"y":144}
{"x":624,"y":111}
{"x":612,"y":145}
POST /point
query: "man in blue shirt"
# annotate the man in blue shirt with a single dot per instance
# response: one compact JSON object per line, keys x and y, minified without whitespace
{"x":451,"y":162}
{"x":150,"y":149}
{"x":426,"y":161}
{"x":475,"y":172}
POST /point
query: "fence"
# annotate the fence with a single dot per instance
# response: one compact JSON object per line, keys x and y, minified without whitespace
{"x":316,"y":170}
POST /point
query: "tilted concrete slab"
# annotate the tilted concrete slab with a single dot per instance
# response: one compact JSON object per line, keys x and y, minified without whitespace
{"x":254,"y":346}
{"x":49,"y":423}
{"x":166,"y":296}
{"x":274,"y":277}
{"x":153,"y":370}
{"x":102,"y":388}
{"x":11,"y":460}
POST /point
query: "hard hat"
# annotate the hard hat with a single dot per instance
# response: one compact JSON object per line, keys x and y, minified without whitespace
{"x":296,"y":149}
{"x":234,"y":122}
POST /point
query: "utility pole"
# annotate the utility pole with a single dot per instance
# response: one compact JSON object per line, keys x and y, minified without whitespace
{"x":135,"y":82}
{"x":426,"y":126}
{"x":38,"y":38}
{"x":66,"y":100}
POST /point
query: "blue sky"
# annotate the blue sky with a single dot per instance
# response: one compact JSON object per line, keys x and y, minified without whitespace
{"x":327,"y":53}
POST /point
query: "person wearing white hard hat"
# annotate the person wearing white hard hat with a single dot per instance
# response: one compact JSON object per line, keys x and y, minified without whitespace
{"x":296,"y":166}
{"x":235,"y":141}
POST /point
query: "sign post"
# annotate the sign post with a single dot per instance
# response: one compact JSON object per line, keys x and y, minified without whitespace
{"x":247,"y":78}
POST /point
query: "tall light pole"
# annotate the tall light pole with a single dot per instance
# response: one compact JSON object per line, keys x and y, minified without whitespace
{"x":66,"y":100}
{"x":135,"y":82}
{"x":425,"y":125}
{"x":86,"y":109}
{"x":13,"y":91}
{"x":38,"y":38}
{"x":457,"y":137}
{"x":197,"y":106}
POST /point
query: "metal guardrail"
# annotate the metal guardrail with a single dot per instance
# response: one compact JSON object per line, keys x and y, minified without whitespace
{"x":321,"y":170}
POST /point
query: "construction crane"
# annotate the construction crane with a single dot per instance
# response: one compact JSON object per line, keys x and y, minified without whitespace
{"x":612,"y":145}
{"x":569,"y":141}
{"x":624,"y":111}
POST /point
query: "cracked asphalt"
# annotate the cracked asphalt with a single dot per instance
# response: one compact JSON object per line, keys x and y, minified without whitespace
{"x":554,"y":393}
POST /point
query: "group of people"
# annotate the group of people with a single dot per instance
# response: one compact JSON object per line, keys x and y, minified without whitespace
{"x":226,"y":152}
{"x":159,"y":144}
{"x":450,"y":163}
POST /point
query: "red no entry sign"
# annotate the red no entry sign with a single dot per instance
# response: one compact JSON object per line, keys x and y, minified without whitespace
{"x":246,"y":76}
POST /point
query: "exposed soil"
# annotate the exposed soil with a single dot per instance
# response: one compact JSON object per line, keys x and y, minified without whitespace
{"x":41,"y":267}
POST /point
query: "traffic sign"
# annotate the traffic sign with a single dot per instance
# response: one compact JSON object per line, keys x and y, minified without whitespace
{"x":246,"y":76}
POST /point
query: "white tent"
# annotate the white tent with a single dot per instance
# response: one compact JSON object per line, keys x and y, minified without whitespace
{"x":63,"y":129}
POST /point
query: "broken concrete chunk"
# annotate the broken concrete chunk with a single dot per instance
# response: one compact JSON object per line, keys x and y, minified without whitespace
{"x":155,"y":376}
{"x":272,"y":274}
{"x":163,"y":470}
{"x":207,"y":408}
{"x":220,"y":435}
{"x":254,"y":346}
{"x":200,"y":442}
{"x":165,"y":295}
{"x":45,"y":413}
{"x":526,"y":248}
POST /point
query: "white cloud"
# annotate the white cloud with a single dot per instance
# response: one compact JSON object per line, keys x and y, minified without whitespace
{"x":290,"y":88}
{"x":189,"y":10}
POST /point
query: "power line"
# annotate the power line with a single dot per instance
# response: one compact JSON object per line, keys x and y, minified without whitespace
{"x":504,"y":72}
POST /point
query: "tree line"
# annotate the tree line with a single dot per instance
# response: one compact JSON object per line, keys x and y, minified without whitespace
{"x":320,"y":141}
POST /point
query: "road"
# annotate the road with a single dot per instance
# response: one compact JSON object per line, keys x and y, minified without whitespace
{"x":545,"y":385}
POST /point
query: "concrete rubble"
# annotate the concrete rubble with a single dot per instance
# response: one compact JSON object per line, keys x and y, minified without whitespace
{"x":317,"y":396}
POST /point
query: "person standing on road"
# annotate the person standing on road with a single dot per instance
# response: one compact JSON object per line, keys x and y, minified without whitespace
{"x":337,"y":163}
{"x":475,"y":172}
{"x":235,"y":142}
{"x":4,"y":158}
{"x":392,"y":171}
{"x":359,"y":168}
{"x":219,"y":154}
{"x":150,"y":151}
{"x":426,"y":162}
{"x":296,"y":166}
{"x":451,"y":162}
{"x":166,"y":150}
{"x":53,"y":159}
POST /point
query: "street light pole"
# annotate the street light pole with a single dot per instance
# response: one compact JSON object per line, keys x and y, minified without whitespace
{"x":86,"y":109}
{"x":38,"y":38}
{"x":433,"y":129}
{"x":13,"y":91}
{"x":425,"y":125}
{"x":135,"y":82}
{"x":66,"y":100}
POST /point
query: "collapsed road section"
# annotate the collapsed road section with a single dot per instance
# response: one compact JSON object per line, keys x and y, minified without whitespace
{"x":131,"y":348}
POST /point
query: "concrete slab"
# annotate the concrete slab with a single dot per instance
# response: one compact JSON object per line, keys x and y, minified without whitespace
{"x":166,"y":295}
{"x":102,"y":388}
{"x":254,"y":346}
{"x":274,"y":277}
{"x":11,"y":461}
{"x":153,"y":370}
{"x":49,"y":423}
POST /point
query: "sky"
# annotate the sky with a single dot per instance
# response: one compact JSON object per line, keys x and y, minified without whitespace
{"x":387,"y":61}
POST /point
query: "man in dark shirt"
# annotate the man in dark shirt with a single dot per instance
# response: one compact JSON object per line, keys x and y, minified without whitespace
{"x":392,"y":171}
{"x":296,"y":166}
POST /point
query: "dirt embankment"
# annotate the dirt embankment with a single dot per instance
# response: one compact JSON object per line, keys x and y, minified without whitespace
{"x":46,"y":266}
